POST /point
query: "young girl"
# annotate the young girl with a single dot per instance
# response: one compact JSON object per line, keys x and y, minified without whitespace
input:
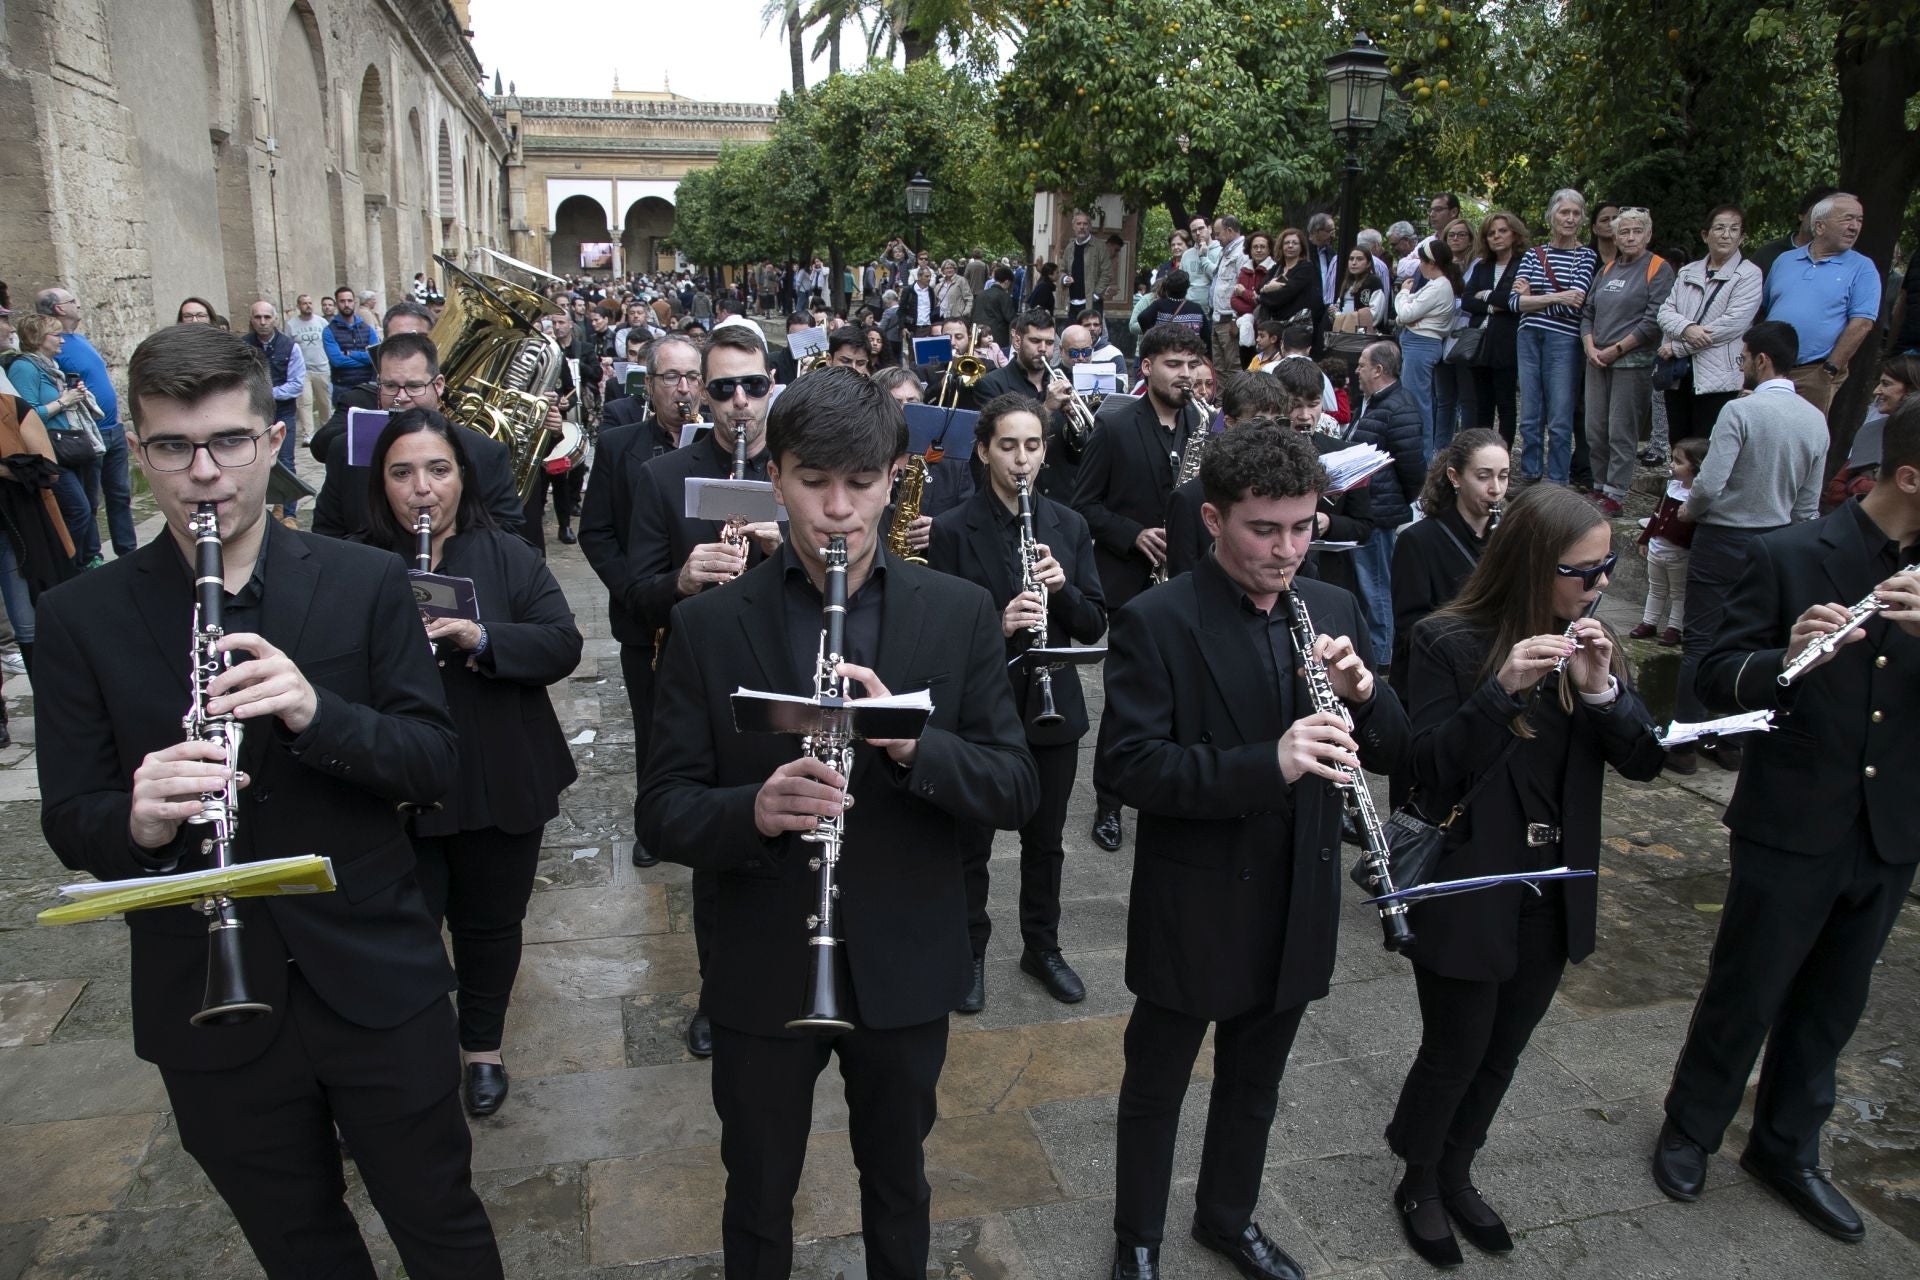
{"x":1664,"y":542}
{"x":1488,"y":707}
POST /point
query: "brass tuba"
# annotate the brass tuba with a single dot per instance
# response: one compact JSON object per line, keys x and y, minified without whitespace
{"x":501,"y":371}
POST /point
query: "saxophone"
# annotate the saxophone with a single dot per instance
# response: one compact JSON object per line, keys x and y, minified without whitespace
{"x":1046,"y":717}
{"x":906,"y":509}
{"x":1358,"y":800}
{"x":227,"y":1000}
{"x":833,"y":747}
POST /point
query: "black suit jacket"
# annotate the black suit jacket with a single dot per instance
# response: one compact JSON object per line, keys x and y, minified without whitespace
{"x":342,"y":506}
{"x":660,"y":535}
{"x":903,"y":917}
{"x":1806,"y":782}
{"x":1461,"y":722}
{"x":1349,"y":519}
{"x":968,"y":543}
{"x":364,"y":396}
{"x":1237,"y":876}
{"x":113,"y":682}
{"x":993,"y":307}
{"x":1126,"y":477}
{"x":607,"y":510}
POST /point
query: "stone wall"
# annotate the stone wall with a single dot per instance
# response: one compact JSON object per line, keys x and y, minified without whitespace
{"x":237,"y":149}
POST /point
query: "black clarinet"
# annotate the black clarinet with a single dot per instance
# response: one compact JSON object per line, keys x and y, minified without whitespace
{"x":833,"y":747}
{"x":423,"y":541}
{"x":227,"y":1000}
{"x":1046,"y":717}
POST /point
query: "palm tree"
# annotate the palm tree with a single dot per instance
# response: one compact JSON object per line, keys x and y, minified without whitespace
{"x":787,"y":13}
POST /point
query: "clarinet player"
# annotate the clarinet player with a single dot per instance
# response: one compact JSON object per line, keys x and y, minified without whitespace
{"x":1211,"y":733}
{"x":1520,"y":702}
{"x":343,"y":718}
{"x":983,"y":543}
{"x":736,"y":804}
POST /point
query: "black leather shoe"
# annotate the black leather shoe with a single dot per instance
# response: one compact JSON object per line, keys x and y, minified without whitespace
{"x":1055,"y":974}
{"x":1816,"y":1199}
{"x":977,"y":993}
{"x":1679,"y":1164}
{"x":1251,"y":1252}
{"x":1477,"y":1220}
{"x":1725,"y":754}
{"x":1417,"y":1217}
{"x":1106,"y":830}
{"x":1136,"y":1262}
{"x":486,"y":1088}
{"x":641,"y":858}
{"x":568,"y":536}
{"x":699,"y":1035}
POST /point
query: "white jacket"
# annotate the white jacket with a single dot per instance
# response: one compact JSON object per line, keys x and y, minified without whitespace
{"x":1715,"y":368}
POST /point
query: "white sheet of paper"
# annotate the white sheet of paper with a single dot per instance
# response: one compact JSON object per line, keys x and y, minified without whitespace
{"x":1349,"y":466}
{"x":89,"y":888}
{"x":723,"y":499}
{"x":1332,"y":546}
{"x":919,"y":699}
{"x":806,"y":342}
{"x":1746,"y":722}
{"x":1095,"y":379}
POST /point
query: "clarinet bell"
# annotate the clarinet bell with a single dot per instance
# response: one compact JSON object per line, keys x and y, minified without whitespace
{"x":823,"y":994}
{"x":227,"y":1001}
{"x":1047,"y":717}
{"x":1399,"y":934}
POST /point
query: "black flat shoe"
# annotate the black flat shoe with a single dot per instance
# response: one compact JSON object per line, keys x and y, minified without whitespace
{"x":1055,"y":974}
{"x":486,"y":1088}
{"x":700,"y":1035}
{"x":1417,"y":1221}
{"x":1136,"y":1262}
{"x":568,"y":536}
{"x":977,"y":993}
{"x":1477,"y":1220}
{"x":1106,"y":830}
{"x":1251,"y":1252}
{"x":641,"y":858}
{"x":1679,"y":1164}
{"x":1812,"y":1196}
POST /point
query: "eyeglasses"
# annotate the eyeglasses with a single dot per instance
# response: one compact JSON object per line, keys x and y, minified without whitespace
{"x":755,"y":385}
{"x":175,"y":454}
{"x":408,"y":389}
{"x":673,"y":379}
{"x":1589,"y":576}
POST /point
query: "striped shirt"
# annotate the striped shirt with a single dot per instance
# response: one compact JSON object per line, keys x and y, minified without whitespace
{"x":1572,"y":269}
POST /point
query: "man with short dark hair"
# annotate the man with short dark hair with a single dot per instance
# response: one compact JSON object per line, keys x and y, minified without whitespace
{"x":847,"y":349}
{"x":1441,"y":210}
{"x":741,"y":805}
{"x":1235,"y":902}
{"x":349,"y":341}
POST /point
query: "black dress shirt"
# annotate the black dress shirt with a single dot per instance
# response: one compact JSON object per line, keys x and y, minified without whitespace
{"x":1272,"y":635}
{"x":805,"y":603}
{"x":1888,"y":558}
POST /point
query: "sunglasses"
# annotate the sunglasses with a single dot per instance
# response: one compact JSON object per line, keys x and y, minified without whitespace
{"x":1588,"y":576}
{"x":755,"y":385}
{"x":1080,"y":353}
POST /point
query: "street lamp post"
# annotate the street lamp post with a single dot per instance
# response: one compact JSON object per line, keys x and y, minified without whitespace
{"x":1356,"y":94}
{"x":919,"y":202}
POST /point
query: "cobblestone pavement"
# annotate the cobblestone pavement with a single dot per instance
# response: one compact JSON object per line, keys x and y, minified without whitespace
{"x":605,"y":1162}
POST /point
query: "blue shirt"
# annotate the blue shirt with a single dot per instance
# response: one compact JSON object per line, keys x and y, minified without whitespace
{"x":78,"y":356}
{"x":1819,"y":298}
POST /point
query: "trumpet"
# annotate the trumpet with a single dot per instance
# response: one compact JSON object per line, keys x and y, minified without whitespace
{"x":963,"y":371}
{"x":423,"y":541}
{"x":1826,"y":643}
{"x":833,"y":747}
{"x":227,"y":1000}
{"x":1046,"y":717}
{"x":1079,"y":425}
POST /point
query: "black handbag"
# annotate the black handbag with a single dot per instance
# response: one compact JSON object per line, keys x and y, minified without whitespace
{"x":1463,"y":348}
{"x":1414,"y":844}
{"x":1670,"y":373}
{"x":71,"y":448}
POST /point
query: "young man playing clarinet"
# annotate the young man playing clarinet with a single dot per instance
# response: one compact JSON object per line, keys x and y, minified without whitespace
{"x":739,"y":804}
{"x":982,"y":541}
{"x":342,"y":718}
{"x":1212,"y":734}
{"x":1824,"y":832}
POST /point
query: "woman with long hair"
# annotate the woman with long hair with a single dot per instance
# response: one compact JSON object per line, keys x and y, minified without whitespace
{"x":1358,"y":307}
{"x":1424,"y":311}
{"x":1490,"y":394}
{"x":1526,"y":748}
{"x":478,"y":851}
{"x":1292,"y":287}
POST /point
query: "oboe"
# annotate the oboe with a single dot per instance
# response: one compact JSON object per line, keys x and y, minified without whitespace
{"x":1822,"y":645}
{"x":735,"y":532}
{"x":423,"y":541}
{"x":1047,"y":717}
{"x":833,"y":747}
{"x":227,"y":1000}
{"x":1353,"y":784}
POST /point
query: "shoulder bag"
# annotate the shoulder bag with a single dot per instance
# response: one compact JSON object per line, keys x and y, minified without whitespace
{"x":1414,"y":844}
{"x":1672,"y":372}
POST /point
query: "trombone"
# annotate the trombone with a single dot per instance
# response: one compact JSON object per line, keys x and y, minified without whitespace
{"x":963,"y":371}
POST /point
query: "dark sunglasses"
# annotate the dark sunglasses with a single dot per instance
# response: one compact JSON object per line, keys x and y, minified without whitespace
{"x":1080,"y":353}
{"x":755,"y":385}
{"x":1588,"y":576}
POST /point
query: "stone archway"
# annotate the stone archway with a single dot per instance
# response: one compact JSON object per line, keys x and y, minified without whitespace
{"x":374,"y":159}
{"x":648,"y":222}
{"x":304,"y":204}
{"x":578,"y":220}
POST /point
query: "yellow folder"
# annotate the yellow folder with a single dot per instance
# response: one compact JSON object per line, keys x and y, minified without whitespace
{"x":95,"y":899}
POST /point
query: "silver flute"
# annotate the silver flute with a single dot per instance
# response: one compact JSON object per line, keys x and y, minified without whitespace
{"x":1560,"y":666}
{"x":1825,"y":644}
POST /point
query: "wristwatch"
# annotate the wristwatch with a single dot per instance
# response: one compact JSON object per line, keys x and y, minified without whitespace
{"x":1833,"y":370}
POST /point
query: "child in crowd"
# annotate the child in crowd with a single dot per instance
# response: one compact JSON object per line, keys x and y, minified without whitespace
{"x":1337,"y":373}
{"x":1664,"y":542}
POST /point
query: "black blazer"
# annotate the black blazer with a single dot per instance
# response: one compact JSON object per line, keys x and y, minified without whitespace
{"x":660,"y":536}
{"x":1126,"y":476}
{"x":631,"y":411}
{"x":607,"y":510}
{"x":113,"y":682}
{"x":514,"y":761}
{"x":1349,"y":519}
{"x":903,"y":911}
{"x":341,"y":508}
{"x":1461,"y":722}
{"x":968,"y":543}
{"x":1300,"y":288}
{"x":1429,"y":569}
{"x":1806,"y":782}
{"x":1236,"y":877}
{"x":951,"y":481}
{"x":1499,"y":349}
{"x":364,"y":396}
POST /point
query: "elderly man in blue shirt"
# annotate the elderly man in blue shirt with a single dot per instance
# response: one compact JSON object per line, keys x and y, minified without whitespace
{"x":1830,"y":294}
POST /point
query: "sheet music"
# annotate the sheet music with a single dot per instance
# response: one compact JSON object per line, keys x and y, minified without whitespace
{"x":1445,"y":888}
{"x":919,"y":700}
{"x":1349,"y":466}
{"x":1746,"y":722}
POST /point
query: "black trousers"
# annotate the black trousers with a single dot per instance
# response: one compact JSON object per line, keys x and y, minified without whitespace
{"x":1492,"y":396}
{"x":1714,"y":563}
{"x":479,"y":883}
{"x":1041,"y":857}
{"x":1792,"y":964}
{"x":1693,"y":413}
{"x":264,"y":1134}
{"x":763,"y":1090}
{"x":1249,"y":1057}
{"x":567,"y":489}
{"x":1471,"y":1037}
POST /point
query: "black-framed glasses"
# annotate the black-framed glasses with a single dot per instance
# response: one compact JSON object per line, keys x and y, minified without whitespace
{"x":176,"y":454}
{"x":1589,"y":576}
{"x":410,"y":389}
{"x":755,"y":385}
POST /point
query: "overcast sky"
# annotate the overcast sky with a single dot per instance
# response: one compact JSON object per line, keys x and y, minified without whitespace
{"x":712,"y":50}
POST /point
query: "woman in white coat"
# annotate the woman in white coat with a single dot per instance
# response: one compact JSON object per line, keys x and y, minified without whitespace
{"x":1713,"y":302}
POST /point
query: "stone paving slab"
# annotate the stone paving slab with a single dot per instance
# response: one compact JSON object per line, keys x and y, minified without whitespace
{"x":30,"y":1011}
